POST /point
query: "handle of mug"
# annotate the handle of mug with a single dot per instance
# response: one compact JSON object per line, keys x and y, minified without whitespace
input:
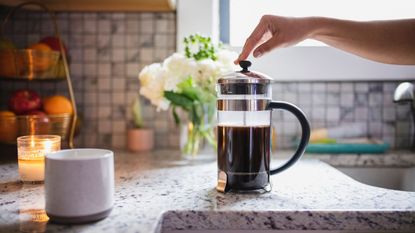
{"x":305,"y":137}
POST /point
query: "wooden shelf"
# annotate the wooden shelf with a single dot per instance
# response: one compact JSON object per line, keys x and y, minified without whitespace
{"x":103,"y":5}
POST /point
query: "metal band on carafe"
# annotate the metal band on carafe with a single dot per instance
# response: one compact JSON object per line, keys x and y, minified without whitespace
{"x":242,"y":104}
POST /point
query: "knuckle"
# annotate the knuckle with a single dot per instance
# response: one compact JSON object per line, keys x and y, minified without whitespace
{"x":264,"y":18}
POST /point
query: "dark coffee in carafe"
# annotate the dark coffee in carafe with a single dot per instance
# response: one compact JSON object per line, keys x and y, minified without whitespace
{"x":244,"y":117}
{"x":244,"y":154}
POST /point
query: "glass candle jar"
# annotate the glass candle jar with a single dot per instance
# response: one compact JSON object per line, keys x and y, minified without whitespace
{"x":31,"y":152}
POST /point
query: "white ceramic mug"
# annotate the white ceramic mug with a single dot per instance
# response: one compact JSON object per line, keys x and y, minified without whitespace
{"x":79,"y":185}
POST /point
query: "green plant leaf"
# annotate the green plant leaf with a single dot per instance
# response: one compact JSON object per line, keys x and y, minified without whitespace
{"x":187,"y":83}
{"x":195,"y":117}
{"x":179,"y":99}
{"x":188,"y":89}
{"x":176,"y":116}
{"x":210,"y":137}
{"x":137,"y":116}
{"x":196,"y":93}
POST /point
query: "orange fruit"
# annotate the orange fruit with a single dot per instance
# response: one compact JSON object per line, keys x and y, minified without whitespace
{"x":8,"y":127}
{"x":57,"y":104}
{"x":7,"y":58}
{"x":8,"y":63}
{"x":42,"y":57}
{"x":6,"y":113}
{"x":41,"y":47}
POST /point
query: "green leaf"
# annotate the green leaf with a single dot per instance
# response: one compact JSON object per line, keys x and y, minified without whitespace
{"x":176,"y":116}
{"x":210,"y":137}
{"x":188,"y":89}
{"x":192,"y":94}
{"x":178,"y":99}
{"x":188,"y":82}
{"x":194,"y":116}
{"x":137,"y":116}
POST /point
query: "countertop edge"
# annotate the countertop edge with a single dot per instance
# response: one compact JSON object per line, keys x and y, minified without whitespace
{"x":288,"y":220}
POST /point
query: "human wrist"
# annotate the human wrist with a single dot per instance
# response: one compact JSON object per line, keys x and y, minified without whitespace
{"x":316,"y":27}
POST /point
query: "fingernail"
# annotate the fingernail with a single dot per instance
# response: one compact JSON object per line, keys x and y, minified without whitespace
{"x":257,"y":54}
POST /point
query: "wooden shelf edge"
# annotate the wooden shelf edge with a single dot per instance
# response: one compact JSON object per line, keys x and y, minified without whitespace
{"x":104,"y":5}
{"x":19,"y":79}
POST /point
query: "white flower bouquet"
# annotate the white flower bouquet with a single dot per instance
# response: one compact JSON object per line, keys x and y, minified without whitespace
{"x":187,"y":81}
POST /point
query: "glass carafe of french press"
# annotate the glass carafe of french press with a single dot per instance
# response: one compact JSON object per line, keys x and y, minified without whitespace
{"x":244,"y":131}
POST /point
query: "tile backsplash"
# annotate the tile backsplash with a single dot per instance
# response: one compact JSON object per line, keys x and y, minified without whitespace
{"x":329,"y":104}
{"x":108,"y":50}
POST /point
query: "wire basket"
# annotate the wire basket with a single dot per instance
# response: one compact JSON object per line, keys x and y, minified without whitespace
{"x":29,"y":64}
{"x":12,"y":127}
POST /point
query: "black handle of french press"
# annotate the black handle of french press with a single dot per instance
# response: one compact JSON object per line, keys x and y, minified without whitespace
{"x":305,"y":137}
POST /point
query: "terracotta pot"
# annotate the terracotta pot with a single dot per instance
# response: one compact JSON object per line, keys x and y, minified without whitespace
{"x":140,"y":140}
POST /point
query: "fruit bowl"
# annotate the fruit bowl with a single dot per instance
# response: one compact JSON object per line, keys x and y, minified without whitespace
{"x":31,"y":64}
{"x":12,"y":127}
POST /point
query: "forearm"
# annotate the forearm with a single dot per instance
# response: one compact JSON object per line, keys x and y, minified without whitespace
{"x":391,"y":41}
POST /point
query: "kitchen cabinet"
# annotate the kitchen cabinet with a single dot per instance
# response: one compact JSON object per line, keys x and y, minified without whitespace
{"x":103,"y":5}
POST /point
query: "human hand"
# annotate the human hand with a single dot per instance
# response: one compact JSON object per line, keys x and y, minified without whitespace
{"x":275,"y":32}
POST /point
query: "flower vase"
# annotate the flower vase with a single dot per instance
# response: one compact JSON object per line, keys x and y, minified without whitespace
{"x":197,"y":143}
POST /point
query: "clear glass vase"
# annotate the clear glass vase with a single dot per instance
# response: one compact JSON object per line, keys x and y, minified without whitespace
{"x":197,"y":140}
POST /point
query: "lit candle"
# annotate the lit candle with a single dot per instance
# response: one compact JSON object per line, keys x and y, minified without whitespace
{"x":31,"y":152}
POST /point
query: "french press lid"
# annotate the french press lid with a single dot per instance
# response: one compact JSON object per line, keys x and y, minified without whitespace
{"x":244,"y":82}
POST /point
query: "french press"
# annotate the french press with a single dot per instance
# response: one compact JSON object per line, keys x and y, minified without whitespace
{"x":244,"y":131}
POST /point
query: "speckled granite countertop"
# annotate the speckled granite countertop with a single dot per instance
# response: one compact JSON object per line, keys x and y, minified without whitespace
{"x":161,"y":192}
